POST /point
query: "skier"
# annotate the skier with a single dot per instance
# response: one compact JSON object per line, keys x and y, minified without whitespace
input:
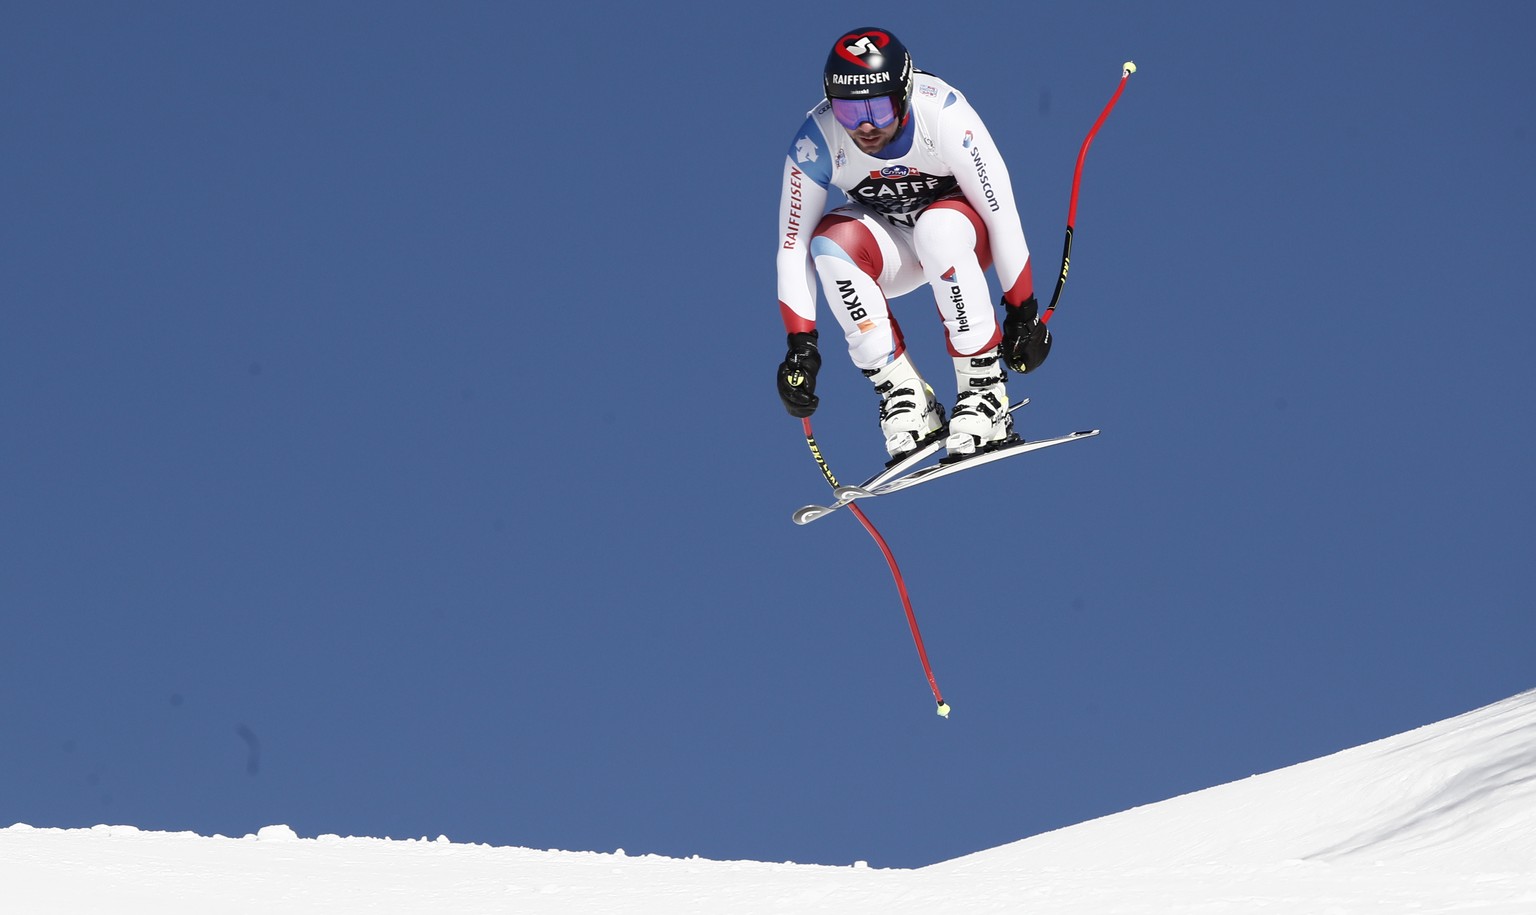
{"x":929,"y":202}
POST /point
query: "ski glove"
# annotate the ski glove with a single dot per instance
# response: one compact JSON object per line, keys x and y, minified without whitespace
{"x":797,"y":375}
{"x":1026,"y":341}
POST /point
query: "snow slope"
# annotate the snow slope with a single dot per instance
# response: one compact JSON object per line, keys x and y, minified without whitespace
{"x":1439,"y":819}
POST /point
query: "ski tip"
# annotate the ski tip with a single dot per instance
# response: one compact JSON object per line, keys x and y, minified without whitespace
{"x":943,"y":709}
{"x":849,"y":493}
{"x":808,"y":513}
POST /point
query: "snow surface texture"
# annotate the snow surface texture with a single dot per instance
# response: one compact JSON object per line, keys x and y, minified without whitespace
{"x":1439,"y":819}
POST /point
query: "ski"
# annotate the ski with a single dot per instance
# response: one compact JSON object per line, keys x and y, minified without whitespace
{"x":936,"y":471}
{"x":845,"y":494}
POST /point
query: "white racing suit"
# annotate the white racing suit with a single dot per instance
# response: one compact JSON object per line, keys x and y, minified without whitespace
{"x":935,"y":206}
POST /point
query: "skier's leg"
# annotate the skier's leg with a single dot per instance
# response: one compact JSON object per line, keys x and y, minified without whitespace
{"x":856,"y":259}
{"x":951,"y":241}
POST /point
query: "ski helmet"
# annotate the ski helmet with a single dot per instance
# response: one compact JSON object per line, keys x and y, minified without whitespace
{"x":870,"y":62}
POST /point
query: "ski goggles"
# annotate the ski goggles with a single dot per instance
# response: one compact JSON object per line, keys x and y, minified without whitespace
{"x":851,"y":112}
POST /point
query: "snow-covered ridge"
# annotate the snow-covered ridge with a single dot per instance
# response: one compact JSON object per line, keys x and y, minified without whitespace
{"x":1461,"y":790}
{"x":1437,"y":819}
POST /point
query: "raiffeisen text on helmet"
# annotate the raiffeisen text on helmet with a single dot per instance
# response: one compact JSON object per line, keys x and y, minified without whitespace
{"x":858,"y":79}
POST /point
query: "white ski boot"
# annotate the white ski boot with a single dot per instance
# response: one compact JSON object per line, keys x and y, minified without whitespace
{"x":980,"y":420}
{"x":909,"y":413}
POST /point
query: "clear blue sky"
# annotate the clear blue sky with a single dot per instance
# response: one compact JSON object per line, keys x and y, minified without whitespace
{"x":390,"y":442}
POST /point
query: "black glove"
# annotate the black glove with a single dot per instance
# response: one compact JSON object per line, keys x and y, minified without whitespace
{"x":1026,"y":341}
{"x":797,"y":375}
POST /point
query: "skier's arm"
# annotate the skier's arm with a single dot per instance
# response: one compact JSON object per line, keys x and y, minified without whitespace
{"x":802,"y":198}
{"x":967,"y":146}
{"x":983,"y":176}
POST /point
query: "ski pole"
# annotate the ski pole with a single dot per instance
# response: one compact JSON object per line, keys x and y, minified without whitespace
{"x":890,"y":560}
{"x":1066,"y":252}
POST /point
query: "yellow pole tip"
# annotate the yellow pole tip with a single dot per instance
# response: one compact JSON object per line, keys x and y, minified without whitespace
{"x":1130,"y":66}
{"x":943,"y":710}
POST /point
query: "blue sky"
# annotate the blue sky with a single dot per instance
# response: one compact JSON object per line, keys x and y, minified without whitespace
{"x":391,"y":446}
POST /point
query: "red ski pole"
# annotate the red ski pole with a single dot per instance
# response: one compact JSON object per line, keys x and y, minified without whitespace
{"x":1077,"y":178}
{"x":890,"y":560}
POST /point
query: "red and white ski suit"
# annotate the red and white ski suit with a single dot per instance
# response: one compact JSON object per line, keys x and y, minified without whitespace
{"x":935,"y":206}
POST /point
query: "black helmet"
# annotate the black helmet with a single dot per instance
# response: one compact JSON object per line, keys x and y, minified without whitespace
{"x":868,"y":62}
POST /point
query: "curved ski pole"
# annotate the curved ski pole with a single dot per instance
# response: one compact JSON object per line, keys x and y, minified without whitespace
{"x":890,"y":560}
{"x":1077,"y":177}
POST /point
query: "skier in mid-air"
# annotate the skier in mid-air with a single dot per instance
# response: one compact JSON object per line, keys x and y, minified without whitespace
{"x":929,"y":202}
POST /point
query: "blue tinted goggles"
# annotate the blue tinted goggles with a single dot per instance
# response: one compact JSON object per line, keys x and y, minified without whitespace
{"x":851,"y":112}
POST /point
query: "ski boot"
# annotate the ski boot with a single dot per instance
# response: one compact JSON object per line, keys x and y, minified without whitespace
{"x":980,"y":421}
{"x":909,"y":413}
